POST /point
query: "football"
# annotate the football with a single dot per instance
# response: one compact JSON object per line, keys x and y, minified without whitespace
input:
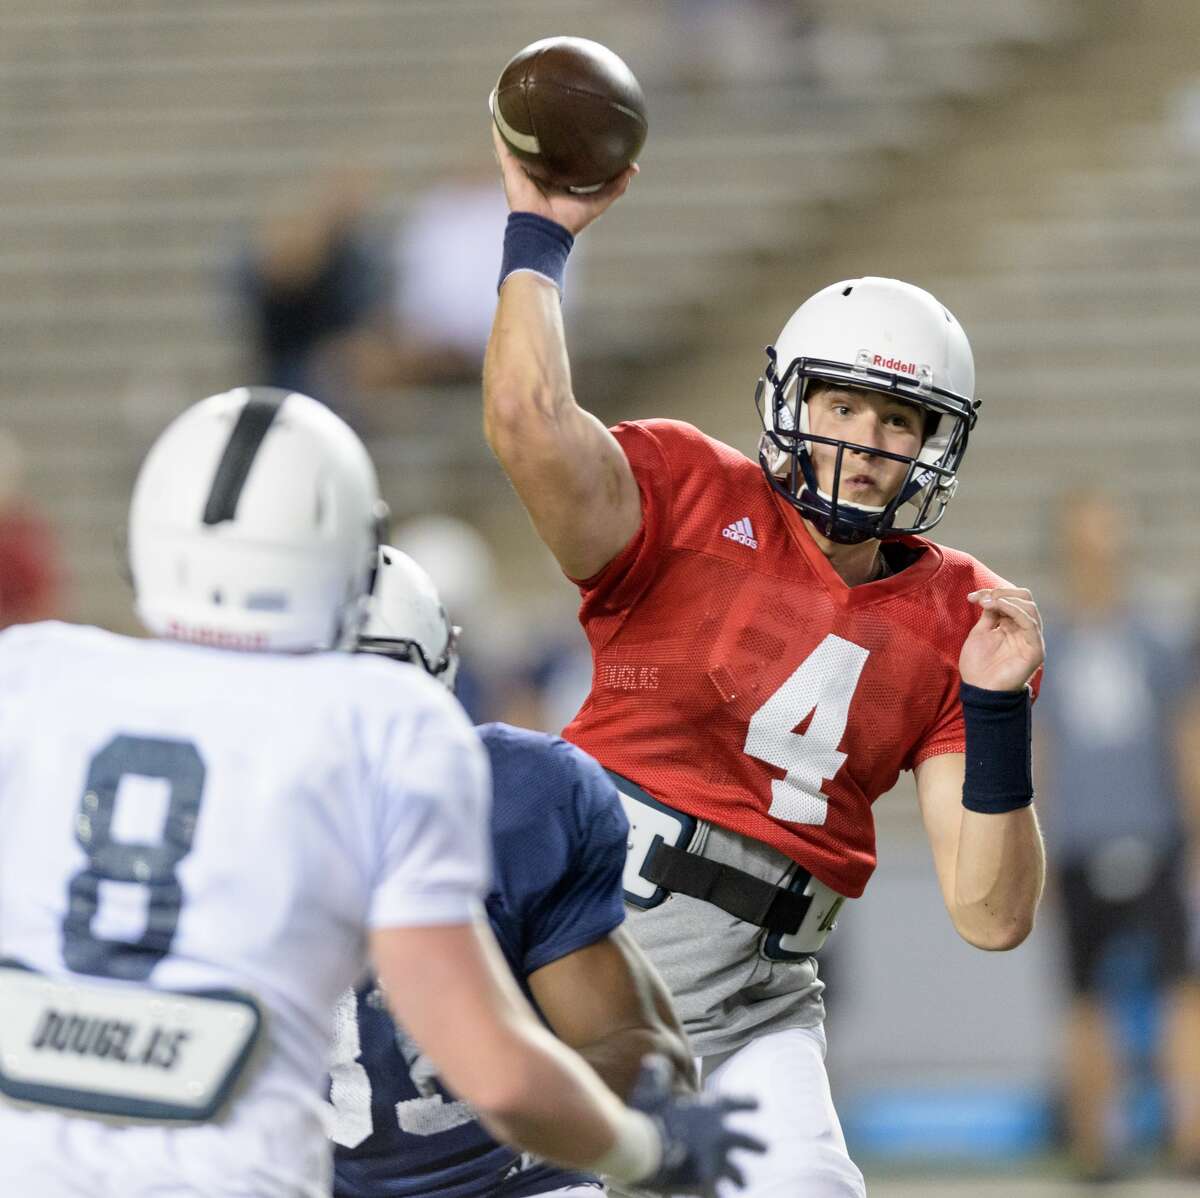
{"x":571,"y":111}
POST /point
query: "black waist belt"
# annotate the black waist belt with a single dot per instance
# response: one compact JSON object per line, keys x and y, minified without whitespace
{"x":733,"y":890}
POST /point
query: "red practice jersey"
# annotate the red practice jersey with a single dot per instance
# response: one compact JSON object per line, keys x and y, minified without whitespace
{"x":740,"y":680}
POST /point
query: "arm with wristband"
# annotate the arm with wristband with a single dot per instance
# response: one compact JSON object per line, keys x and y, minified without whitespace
{"x":978,"y":805}
{"x":568,"y":469}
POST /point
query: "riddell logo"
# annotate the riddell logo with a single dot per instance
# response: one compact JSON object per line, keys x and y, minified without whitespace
{"x":882,"y":363}
{"x":219,"y":638}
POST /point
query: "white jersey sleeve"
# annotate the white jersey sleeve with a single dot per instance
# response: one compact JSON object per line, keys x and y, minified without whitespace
{"x":433,"y":820}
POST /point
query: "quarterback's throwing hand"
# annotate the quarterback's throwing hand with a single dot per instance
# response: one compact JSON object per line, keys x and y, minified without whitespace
{"x":573,"y":212}
{"x":696,"y":1137}
{"x":1005,"y":648}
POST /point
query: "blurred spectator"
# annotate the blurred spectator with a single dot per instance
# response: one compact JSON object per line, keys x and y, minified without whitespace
{"x":721,"y":43}
{"x":310,"y":284}
{"x":1117,"y":827}
{"x":445,"y":264}
{"x":446,"y":259}
{"x":30,"y":571}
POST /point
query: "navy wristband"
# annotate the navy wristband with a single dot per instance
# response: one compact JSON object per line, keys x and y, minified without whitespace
{"x":532,"y":242}
{"x":999,"y":727}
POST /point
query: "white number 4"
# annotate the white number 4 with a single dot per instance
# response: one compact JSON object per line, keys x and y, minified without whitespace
{"x":821,"y":686}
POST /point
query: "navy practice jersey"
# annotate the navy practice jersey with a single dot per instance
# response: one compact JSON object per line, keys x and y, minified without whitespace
{"x":559,"y":838}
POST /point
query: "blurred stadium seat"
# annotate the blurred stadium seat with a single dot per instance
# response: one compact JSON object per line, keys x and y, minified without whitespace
{"x":140,"y":138}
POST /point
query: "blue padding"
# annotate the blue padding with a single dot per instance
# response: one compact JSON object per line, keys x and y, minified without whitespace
{"x":953,"y":1123}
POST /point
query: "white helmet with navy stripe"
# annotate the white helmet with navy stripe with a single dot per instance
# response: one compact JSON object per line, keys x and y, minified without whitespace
{"x":880,"y":335}
{"x":254,"y":524}
{"x":406,"y":619}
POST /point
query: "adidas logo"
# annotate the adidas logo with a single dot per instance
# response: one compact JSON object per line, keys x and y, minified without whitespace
{"x":741,"y":532}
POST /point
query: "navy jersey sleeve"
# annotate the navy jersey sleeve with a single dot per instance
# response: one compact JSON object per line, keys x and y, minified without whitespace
{"x":589,"y":902}
{"x":560,"y":840}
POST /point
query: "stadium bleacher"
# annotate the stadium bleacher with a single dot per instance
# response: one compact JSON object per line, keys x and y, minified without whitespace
{"x":140,"y":140}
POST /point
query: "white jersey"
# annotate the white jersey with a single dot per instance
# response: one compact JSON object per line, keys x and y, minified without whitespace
{"x":183,"y":818}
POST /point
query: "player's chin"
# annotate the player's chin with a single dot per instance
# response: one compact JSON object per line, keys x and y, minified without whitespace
{"x":866,"y":494}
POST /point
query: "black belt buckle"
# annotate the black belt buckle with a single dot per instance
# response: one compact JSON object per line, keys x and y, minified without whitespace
{"x":738,"y":893}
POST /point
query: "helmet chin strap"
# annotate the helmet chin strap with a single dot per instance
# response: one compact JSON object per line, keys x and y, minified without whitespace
{"x":844,"y":528}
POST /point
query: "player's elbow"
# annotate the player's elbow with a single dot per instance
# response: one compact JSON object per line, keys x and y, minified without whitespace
{"x":516,"y":420}
{"x":522,"y":393}
{"x":618,"y":1058}
{"x":502,"y":419}
{"x":995,"y":934}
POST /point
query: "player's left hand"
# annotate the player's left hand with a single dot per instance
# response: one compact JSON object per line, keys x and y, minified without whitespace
{"x":1005,"y":648}
{"x":697,"y":1139}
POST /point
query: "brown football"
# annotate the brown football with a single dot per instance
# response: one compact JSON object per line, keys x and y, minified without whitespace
{"x":571,"y":111}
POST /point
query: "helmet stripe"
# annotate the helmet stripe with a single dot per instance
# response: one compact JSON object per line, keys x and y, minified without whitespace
{"x":238,"y":456}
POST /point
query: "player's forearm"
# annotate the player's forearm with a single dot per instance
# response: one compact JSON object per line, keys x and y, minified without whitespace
{"x":526,"y":373}
{"x":571,"y":474}
{"x":617,"y":1058}
{"x":608,"y":1003}
{"x":999,"y":873}
{"x":653,"y":1028}
{"x":450,"y":988}
{"x":677,"y":1048}
{"x":553,"y":1104}
{"x":531,"y":420}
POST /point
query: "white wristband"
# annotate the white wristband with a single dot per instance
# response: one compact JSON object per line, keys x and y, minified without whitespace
{"x":637,"y":1152}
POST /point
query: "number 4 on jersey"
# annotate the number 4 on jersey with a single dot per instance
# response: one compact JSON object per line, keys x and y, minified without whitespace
{"x":821,"y":687}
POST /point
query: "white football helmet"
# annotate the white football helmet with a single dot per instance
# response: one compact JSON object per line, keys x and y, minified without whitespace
{"x":881,"y":335}
{"x":406,"y":619}
{"x":255,"y":522}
